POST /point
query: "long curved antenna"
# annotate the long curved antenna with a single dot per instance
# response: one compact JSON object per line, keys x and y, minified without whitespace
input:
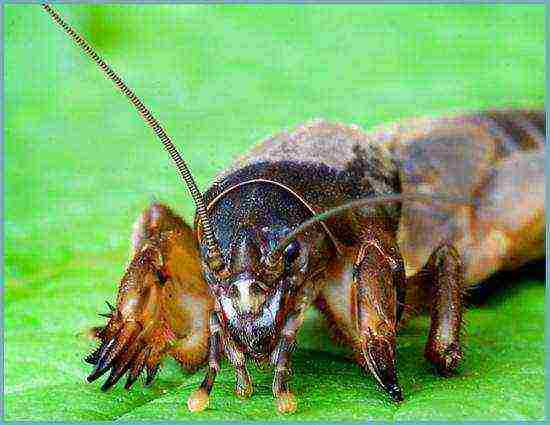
{"x":215,"y":260}
{"x":375,"y":200}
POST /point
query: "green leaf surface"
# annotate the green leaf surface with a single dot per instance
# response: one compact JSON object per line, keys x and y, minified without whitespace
{"x":80,"y":166}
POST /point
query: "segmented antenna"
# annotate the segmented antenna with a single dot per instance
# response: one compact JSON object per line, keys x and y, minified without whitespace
{"x":215,"y":260}
{"x":375,"y":200}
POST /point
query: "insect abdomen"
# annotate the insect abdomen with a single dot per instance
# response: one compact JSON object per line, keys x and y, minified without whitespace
{"x":495,"y":158}
{"x":515,"y":130}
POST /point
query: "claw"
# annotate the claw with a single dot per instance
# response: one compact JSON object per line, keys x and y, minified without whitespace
{"x":151,"y":373}
{"x":124,"y":363}
{"x":101,"y":366}
{"x":138,"y":366}
{"x":115,"y":375}
{"x":106,"y":315}
{"x":381,"y":362}
{"x":130,"y":381}
{"x":93,"y":357}
{"x":111,"y":307}
{"x":110,"y":381}
{"x":121,"y":341}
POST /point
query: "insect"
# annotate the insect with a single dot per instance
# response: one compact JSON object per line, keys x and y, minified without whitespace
{"x":369,"y":228}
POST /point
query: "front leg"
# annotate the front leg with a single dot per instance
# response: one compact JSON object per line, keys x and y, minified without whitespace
{"x":162,"y":305}
{"x":198,"y":400}
{"x":243,"y":383}
{"x":378,"y":275}
{"x":286,"y":401}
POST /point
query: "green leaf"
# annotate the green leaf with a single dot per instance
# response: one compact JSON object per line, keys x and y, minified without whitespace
{"x":80,"y":166}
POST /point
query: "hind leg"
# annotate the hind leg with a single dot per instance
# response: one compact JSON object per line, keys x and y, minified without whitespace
{"x":441,"y":283}
{"x":505,"y":231}
{"x":162,"y":304}
{"x":443,"y":347}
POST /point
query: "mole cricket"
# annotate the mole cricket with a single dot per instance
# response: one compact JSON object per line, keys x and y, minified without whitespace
{"x":368,"y":227}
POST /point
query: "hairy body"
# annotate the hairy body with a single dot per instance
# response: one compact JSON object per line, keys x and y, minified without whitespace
{"x":495,"y":157}
{"x":240,"y":283}
{"x":369,"y":266}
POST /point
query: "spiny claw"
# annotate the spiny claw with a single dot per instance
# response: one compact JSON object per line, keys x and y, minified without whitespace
{"x":151,"y":373}
{"x":137,"y":366}
{"x":130,"y":381}
{"x":111,"y":307}
{"x":115,"y":375}
{"x":123,"y":365}
{"x":111,"y":350}
{"x":93,"y":357}
{"x":135,"y":335}
{"x":101,"y":366}
{"x":381,"y":362}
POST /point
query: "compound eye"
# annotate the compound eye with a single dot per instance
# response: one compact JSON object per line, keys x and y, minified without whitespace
{"x":292,"y":252}
{"x":161,"y":276}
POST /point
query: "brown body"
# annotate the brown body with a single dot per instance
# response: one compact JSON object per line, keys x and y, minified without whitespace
{"x":495,"y":158}
{"x":430,"y":251}
{"x":240,"y":284}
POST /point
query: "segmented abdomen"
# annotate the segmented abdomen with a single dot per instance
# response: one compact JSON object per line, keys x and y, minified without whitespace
{"x":514,"y":130}
{"x":496,"y":159}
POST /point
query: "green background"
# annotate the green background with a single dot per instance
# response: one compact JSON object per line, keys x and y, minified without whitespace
{"x":80,"y":166}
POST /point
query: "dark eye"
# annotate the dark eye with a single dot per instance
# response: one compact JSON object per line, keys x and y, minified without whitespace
{"x":291,"y":252}
{"x":162,"y":277}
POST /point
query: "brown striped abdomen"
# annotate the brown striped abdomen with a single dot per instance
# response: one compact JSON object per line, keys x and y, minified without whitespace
{"x":497,"y":159}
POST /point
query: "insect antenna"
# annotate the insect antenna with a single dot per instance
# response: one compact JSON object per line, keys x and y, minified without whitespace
{"x":214,"y":259}
{"x":375,"y":200}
